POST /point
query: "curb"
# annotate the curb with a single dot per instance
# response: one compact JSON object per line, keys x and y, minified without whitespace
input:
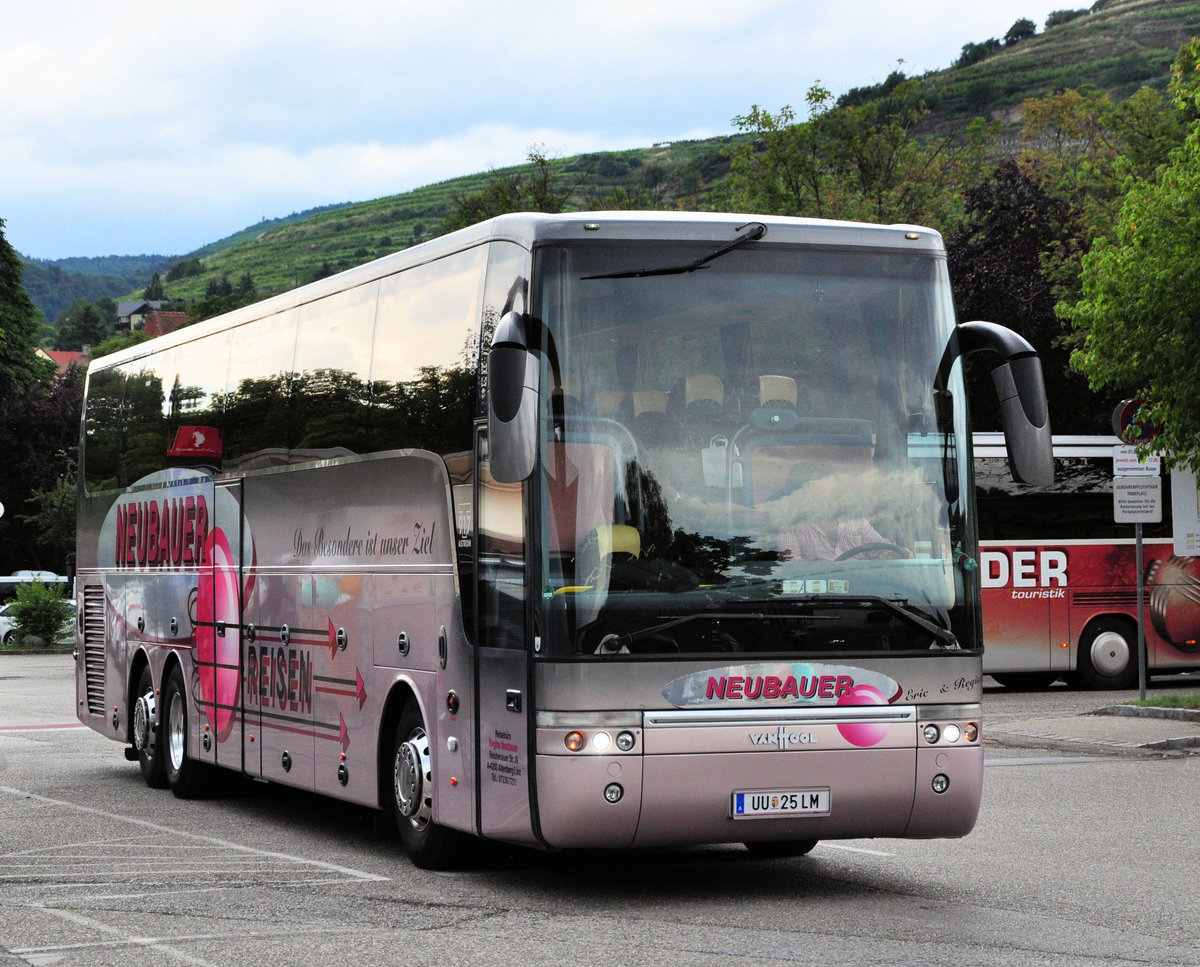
{"x":1149,"y":712}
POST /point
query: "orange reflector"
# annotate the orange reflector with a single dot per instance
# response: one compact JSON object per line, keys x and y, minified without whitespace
{"x":1064,"y":644}
{"x":575,"y":741}
{"x":453,"y":781}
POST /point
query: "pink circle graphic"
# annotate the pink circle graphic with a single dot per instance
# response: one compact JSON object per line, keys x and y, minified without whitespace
{"x":863,"y":734}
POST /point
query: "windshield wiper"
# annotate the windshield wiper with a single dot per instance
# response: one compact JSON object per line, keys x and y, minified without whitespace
{"x":750,"y":232}
{"x":614,"y":644}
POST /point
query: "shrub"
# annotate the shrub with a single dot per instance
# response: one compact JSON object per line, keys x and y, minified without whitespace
{"x":40,"y":610}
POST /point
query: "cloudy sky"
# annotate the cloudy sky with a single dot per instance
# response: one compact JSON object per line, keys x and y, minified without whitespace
{"x":143,"y":126}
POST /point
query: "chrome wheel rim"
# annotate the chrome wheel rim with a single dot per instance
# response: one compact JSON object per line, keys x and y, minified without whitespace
{"x":176,"y":729}
{"x":412,"y":776}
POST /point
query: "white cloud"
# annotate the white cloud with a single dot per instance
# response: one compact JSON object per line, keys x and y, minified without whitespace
{"x":202,"y":113}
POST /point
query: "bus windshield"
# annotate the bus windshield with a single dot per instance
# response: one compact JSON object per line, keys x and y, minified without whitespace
{"x":746,"y":453}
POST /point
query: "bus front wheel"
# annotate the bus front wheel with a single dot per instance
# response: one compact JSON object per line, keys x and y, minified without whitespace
{"x":428,"y":845}
{"x":1108,"y":654}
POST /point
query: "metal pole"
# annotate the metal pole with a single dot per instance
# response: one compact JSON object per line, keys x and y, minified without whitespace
{"x":1141,"y":624}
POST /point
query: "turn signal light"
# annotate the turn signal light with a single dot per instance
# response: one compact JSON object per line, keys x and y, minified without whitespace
{"x":575,"y":741}
{"x":971,"y":731}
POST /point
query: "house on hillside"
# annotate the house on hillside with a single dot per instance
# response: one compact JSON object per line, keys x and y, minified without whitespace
{"x":131,"y":313}
{"x":64,"y":360}
{"x":159,"y":323}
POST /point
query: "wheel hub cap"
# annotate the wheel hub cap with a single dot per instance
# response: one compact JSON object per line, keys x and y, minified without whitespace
{"x":1110,"y":653}
{"x":413,"y":780}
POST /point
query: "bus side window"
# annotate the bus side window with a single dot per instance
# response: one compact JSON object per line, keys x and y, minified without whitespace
{"x":102,"y":428}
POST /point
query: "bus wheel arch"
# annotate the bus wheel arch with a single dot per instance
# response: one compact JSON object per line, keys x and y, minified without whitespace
{"x":407,"y":781}
{"x":145,"y":723}
{"x":1108,"y":653}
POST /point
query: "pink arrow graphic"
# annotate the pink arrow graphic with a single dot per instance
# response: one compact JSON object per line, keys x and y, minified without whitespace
{"x":333,"y":648}
{"x":345,"y":732}
{"x":361,"y":689}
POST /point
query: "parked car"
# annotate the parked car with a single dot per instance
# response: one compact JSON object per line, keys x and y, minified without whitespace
{"x":8,"y":624}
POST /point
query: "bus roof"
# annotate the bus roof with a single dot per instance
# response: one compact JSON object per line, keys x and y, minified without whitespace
{"x":529,"y":228}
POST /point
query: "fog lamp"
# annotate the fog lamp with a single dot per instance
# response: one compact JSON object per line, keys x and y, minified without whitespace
{"x":613,"y":792}
{"x":941,"y":783}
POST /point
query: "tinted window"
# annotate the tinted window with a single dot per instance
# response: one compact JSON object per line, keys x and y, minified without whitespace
{"x":1078,"y":505}
{"x":426,"y":346}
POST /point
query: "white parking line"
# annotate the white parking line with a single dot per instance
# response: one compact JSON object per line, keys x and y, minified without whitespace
{"x":211,"y":840}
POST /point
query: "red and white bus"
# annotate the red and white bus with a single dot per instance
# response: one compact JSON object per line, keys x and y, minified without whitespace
{"x":1060,"y":579}
{"x":500,"y":535}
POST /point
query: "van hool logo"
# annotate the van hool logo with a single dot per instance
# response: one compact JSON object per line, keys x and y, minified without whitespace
{"x":782,"y":738}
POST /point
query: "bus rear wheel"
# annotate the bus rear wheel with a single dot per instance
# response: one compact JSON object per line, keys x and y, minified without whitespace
{"x":428,"y":845}
{"x":778,"y":850}
{"x":185,"y":776}
{"x":147,"y":732}
{"x":1108,"y":654}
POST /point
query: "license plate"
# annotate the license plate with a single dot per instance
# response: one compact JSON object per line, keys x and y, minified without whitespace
{"x":780,"y":802}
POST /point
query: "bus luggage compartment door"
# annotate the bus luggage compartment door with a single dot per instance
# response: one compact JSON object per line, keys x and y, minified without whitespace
{"x":820,"y":773}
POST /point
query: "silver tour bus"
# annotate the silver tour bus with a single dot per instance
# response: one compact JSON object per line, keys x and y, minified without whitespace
{"x":589,"y":530}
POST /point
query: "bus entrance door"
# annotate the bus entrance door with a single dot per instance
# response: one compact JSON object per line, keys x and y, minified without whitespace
{"x":502,"y":661}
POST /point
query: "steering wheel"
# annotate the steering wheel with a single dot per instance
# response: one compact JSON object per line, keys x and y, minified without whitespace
{"x":874,"y":546}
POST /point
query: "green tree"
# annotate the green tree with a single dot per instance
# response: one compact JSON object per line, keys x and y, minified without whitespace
{"x":39,"y":434}
{"x":85,"y":323}
{"x":870,"y":161}
{"x":154,"y":291}
{"x":1004,"y":260}
{"x":19,"y":325}
{"x":537,"y":187}
{"x":1021,"y":30}
{"x":41,"y":610}
{"x":1140,"y":307}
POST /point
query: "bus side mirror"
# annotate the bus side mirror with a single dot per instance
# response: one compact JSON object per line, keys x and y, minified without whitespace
{"x":512,"y":389}
{"x":1022,"y":392}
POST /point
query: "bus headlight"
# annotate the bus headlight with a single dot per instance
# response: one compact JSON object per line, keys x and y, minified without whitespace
{"x":951,"y":733}
{"x":601,"y":741}
{"x":931,"y":734}
{"x":625,"y":741}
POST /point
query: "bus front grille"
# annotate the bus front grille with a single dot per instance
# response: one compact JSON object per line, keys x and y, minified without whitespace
{"x":94,"y":652}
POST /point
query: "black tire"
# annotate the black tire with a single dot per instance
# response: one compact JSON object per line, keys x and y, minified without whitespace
{"x":185,"y":776}
{"x":146,"y":717}
{"x":778,"y":850}
{"x":1108,"y":654}
{"x":409,"y":781}
{"x":9,"y":636}
{"x":1026,"y":681}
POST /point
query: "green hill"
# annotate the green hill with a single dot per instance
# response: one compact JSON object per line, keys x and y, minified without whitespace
{"x":1116,"y":45}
